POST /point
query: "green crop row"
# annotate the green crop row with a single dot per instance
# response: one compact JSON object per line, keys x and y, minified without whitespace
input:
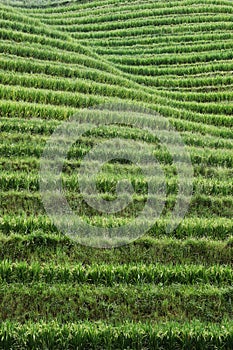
{"x":202,"y":69}
{"x":15,"y":31}
{"x":215,"y":107}
{"x":226,"y":87}
{"x":43,"y":247}
{"x":41,"y":81}
{"x":48,"y":97}
{"x":152,"y":30}
{"x":169,"y":40}
{"x":98,"y":134}
{"x":31,"y":126}
{"x":73,"y":101}
{"x":107,"y":274}
{"x":107,"y":180}
{"x":44,"y":52}
{"x":164,"y":59}
{"x":40,"y":97}
{"x":220,"y":96}
{"x":214,"y":227}
{"x":100,"y":7}
{"x":174,"y":108}
{"x":14,"y":202}
{"x":81,"y":7}
{"x":216,"y":67}
{"x":159,"y":49}
{"x":143,"y":22}
{"x":32,"y":165}
{"x":218,"y":108}
{"x":8,"y":14}
{"x":129,"y":335}
{"x":101,"y":16}
{"x":184,"y":82}
{"x":28,"y":65}
{"x":18,"y":146}
{"x":30,"y":4}
{"x":17,"y":111}
{"x":58,"y":40}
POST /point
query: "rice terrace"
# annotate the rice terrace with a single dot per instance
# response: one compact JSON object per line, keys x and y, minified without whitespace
{"x":116,"y":174}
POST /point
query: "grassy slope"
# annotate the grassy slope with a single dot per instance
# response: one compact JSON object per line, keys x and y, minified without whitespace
{"x":59,"y":58}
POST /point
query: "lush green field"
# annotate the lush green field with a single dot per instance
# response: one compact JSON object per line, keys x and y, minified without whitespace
{"x":165,"y":290}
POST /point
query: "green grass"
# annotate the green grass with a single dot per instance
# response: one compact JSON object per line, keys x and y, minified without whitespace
{"x":165,"y":290}
{"x":43,"y":247}
{"x":79,"y":302}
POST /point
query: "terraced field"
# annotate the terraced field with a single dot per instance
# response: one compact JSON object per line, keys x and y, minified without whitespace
{"x":165,"y":290}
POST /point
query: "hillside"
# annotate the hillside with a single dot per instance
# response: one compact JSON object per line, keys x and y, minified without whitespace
{"x":166,"y":290}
